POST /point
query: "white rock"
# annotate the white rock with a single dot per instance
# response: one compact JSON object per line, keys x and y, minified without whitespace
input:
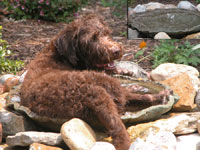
{"x":3,"y":78}
{"x":27,"y":138}
{"x":139,"y":8}
{"x":186,"y":5}
{"x":168,"y":70}
{"x":161,"y":35}
{"x":154,"y":5}
{"x":198,"y":7}
{"x":78,"y":135}
{"x":168,"y":6}
{"x":103,"y":146}
{"x":155,"y":140}
{"x":188,"y":142}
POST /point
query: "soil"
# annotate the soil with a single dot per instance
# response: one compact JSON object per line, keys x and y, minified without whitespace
{"x":27,"y":37}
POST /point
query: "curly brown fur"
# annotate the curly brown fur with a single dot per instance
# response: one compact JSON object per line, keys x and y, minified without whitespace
{"x":59,"y":83}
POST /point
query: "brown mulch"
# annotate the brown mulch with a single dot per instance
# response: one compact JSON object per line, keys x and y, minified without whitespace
{"x":26,"y":38}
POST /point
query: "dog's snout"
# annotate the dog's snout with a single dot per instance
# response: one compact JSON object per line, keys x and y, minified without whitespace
{"x":117,"y":52}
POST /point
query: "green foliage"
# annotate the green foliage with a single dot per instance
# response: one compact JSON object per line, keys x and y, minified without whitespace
{"x":117,"y":5}
{"x":52,"y":10}
{"x":198,"y":1}
{"x":6,"y":65}
{"x":139,"y":53}
{"x":169,"y":51}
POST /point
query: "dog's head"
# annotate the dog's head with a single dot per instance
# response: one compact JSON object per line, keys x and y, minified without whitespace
{"x":86,"y":43}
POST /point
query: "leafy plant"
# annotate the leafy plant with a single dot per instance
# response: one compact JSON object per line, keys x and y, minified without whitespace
{"x":117,"y":6}
{"x":7,"y":65}
{"x":198,"y":1}
{"x":169,"y":51}
{"x":52,"y":10}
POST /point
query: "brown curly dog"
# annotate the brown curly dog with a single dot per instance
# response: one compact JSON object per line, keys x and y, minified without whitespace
{"x":60,"y":82}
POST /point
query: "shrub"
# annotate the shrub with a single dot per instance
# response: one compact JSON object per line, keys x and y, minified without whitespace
{"x":52,"y":10}
{"x":170,"y":51}
{"x":6,"y":65}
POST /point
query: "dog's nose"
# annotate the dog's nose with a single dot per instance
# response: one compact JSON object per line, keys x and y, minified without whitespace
{"x":117,"y":52}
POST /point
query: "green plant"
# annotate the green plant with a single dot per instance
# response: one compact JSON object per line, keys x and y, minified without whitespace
{"x":7,"y":65}
{"x":171,"y":51}
{"x":117,"y":5}
{"x":198,"y":1}
{"x":52,"y":10}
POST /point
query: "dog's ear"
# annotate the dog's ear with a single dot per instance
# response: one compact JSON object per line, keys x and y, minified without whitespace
{"x":66,"y":48}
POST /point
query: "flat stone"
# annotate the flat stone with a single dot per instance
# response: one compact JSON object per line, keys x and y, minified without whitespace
{"x":176,"y":22}
{"x":177,"y":123}
{"x":78,"y":135}
{"x":182,"y":85}
{"x":38,"y":146}
{"x":193,"y":36}
{"x":27,"y":138}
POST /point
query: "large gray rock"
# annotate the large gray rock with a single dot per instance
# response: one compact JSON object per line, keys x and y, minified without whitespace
{"x":175,"y":22}
{"x":13,"y":123}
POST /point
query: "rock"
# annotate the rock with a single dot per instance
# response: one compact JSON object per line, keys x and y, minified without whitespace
{"x":102,"y":146}
{"x":198,"y":7}
{"x":132,"y":34}
{"x":154,"y":139}
{"x":38,"y":146}
{"x":193,"y":36}
{"x":154,"y":5}
{"x":3,"y":100}
{"x":168,"y":70}
{"x":168,"y":6}
{"x":2,"y":90}
{"x":177,"y":23}
{"x":188,"y":142}
{"x":3,"y":78}
{"x":27,"y":138}
{"x":182,"y":85}
{"x":78,"y":135}
{"x":177,"y":123}
{"x":186,"y":5}
{"x":13,"y":123}
{"x":198,"y":126}
{"x":1,"y":133}
{"x":197,"y":99}
{"x":133,"y":69}
{"x":161,"y":35}
{"x":10,"y":82}
{"x":139,"y":8}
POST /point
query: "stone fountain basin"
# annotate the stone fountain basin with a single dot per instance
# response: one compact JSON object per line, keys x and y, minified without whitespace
{"x":175,"y":22}
{"x":146,"y":114}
